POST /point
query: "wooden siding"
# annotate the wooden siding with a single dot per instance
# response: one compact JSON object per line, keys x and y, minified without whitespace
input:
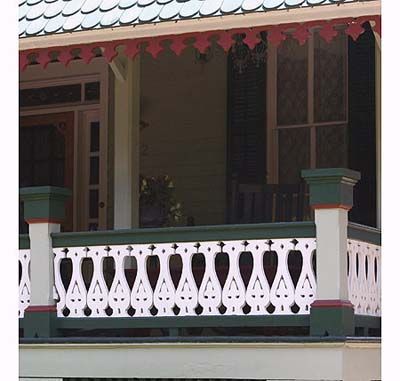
{"x":184,"y":104}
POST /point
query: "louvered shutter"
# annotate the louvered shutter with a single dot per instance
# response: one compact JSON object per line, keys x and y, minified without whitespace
{"x":246,"y":122}
{"x":362,"y":134}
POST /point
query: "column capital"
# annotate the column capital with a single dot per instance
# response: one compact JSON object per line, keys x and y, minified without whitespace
{"x":44,"y":203}
{"x":331,"y":187}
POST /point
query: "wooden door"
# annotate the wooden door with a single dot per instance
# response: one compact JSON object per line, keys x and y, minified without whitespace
{"x":46,"y":155}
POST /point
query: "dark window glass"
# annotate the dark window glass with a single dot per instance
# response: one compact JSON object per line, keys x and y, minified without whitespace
{"x":41,"y":156}
{"x":94,"y":136}
{"x":94,"y":170}
{"x":50,"y":95}
{"x":294,"y":154}
{"x":331,"y":147}
{"x":92,"y":91}
{"x":93,"y":203}
{"x":330,"y":79}
{"x":292,"y":83}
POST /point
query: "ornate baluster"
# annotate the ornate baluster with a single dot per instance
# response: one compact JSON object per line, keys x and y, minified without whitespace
{"x":210,"y":292}
{"x":164,"y":292}
{"x":142,"y":293}
{"x":119,"y":297}
{"x":76,"y":294}
{"x":378,"y":280}
{"x":97,"y":296}
{"x":353,"y":279}
{"x":186,"y":295}
{"x":234,"y":291}
{"x":362,"y":279}
{"x":257,"y":294}
{"x":305,"y":292}
{"x":59,"y":289}
{"x":282,"y":289}
{"x":25,"y":283}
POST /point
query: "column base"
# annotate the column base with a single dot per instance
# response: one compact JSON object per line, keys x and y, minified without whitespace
{"x":332,"y":318}
{"x":39,"y":321}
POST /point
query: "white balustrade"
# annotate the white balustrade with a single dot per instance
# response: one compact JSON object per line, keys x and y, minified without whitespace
{"x":188,"y":298}
{"x":25,"y":281}
{"x":364,"y":277}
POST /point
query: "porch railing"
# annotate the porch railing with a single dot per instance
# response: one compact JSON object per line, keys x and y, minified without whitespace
{"x":184,"y":289}
{"x":214,"y":276}
{"x":256,"y":286}
{"x":364,"y":269}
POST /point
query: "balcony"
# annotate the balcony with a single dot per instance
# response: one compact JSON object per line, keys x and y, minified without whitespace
{"x":291,"y":279}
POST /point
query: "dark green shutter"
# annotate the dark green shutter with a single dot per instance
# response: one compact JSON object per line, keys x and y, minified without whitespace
{"x":362,"y":133}
{"x":246,"y":122}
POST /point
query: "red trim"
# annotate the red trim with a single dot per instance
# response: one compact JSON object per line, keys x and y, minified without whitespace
{"x":201,"y":40}
{"x":41,"y":309}
{"x":43,"y":220}
{"x":331,"y":206}
{"x":332,"y":304}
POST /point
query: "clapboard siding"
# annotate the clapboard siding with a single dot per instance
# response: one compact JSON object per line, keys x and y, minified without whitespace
{"x":184,"y":104}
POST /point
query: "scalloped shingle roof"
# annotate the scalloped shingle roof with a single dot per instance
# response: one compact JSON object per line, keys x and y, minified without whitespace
{"x":41,"y":17}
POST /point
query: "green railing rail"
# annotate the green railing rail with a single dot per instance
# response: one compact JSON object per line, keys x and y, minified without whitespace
{"x":24,"y":242}
{"x":186,"y":234}
{"x":364,"y":233}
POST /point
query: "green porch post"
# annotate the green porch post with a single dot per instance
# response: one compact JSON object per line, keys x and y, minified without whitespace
{"x":331,"y":197}
{"x":44,"y":210}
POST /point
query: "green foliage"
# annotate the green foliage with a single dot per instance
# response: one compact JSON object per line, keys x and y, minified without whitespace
{"x":159,"y":192}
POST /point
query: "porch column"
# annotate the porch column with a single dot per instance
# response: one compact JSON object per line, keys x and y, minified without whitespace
{"x":44,"y":210}
{"x":126,"y":145}
{"x":331,"y":197}
{"x":378,"y":116}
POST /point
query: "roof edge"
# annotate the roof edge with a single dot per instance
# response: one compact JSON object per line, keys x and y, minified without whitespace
{"x":328,"y":12}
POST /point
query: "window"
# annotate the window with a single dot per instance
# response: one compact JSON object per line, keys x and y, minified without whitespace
{"x":310,"y":128}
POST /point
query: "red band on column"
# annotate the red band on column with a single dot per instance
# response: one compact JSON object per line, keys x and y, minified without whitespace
{"x":41,"y":309}
{"x":332,"y":304}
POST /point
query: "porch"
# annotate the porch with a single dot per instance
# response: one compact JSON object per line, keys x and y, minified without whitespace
{"x":242,"y":259}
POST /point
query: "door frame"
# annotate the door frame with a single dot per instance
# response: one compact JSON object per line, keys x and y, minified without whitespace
{"x":76,"y":73}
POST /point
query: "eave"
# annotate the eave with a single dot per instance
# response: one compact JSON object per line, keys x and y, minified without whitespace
{"x":296,"y":15}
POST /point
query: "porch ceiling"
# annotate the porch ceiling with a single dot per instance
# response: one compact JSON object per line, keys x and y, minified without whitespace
{"x":47,"y":17}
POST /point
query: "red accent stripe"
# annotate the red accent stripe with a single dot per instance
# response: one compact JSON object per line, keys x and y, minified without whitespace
{"x":43,"y":220}
{"x":331,"y":206}
{"x":332,"y":303}
{"x":41,"y":309}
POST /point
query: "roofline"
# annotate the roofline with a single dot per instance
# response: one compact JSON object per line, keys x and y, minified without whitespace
{"x":328,"y":12}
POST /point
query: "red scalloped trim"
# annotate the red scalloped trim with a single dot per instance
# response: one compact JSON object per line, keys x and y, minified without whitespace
{"x":154,"y":47}
{"x":328,"y":32}
{"x":275,"y":35}
{"x":132,"y":49}
{"x":202,"y":42}
{"x":355,"y":29}
{"x":252,"y":38}
{"x":43,"y":58}
{"x":301,"y":34}
{"x":225,"y":40}
{"x":87,"y":53}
